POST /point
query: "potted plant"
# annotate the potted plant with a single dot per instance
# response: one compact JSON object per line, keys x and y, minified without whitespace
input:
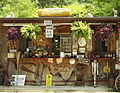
{"x":106,"y":32}
{"x":31,"y":31}
{"x":81,"y":30}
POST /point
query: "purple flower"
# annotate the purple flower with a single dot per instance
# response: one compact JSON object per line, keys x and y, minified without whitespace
{"x":12,"y":33}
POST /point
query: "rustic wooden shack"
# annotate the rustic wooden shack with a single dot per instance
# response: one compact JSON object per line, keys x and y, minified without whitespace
{"x":62,"y":69}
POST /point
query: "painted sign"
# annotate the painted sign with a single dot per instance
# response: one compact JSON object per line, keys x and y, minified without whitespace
{"x":48,"y":80}
{"x":49,"y":31}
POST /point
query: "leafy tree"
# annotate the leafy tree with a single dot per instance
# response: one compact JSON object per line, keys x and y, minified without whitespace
{"x":79,"y":10}
{"x":105,"y":7}
{"x":20,"y":8}
{"x":28,"y":8}
{"x":52,"y":3}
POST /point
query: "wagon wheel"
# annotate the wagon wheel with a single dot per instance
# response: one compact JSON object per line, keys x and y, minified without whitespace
{"x":117,"y":83}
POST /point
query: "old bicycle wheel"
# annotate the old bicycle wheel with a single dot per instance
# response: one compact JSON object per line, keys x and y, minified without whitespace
{"x":117,"y":83}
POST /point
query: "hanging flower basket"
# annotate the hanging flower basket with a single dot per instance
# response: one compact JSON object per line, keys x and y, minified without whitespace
{"x":12,"y":34}
{"x":106,"y":32}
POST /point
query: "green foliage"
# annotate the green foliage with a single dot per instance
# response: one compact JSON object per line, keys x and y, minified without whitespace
{"x":52,"y":3}
{"x":103,"y":7}
{"x":77,"y":10}
{"x":80,"y":10}
{"x":28,"y":8}
{"x":31,"y":31}
{"x":20,"y":8}
{"x":81,"y":29}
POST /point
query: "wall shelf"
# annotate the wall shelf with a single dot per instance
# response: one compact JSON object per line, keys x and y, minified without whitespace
{"x":100,"y":58}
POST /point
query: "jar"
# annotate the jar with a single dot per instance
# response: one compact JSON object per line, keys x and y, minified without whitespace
{"x":62,"y":54}
{"x":113,"y":55}
{"x":105,"y":54}
{"x":35,"y":47}
{"x":109,"y":55}
{"x":27,"y":50}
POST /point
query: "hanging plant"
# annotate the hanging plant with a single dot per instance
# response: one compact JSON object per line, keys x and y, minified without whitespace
{"x":12,"y":34}
{"x":106,"y":32}
{"x":31,"y":31}
{"x":82,"y":30}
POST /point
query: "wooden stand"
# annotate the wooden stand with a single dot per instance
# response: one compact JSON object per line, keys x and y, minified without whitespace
{"x":80,"y":74}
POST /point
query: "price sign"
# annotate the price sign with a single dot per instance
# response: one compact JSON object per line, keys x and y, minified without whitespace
{"x":49,"y":31}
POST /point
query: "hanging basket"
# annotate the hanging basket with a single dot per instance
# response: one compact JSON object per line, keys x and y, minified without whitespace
{"x":12,"y":34}
{"x":106,"y":32}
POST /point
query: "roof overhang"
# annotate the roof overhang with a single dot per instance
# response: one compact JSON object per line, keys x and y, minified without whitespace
{"x":58,"y":20}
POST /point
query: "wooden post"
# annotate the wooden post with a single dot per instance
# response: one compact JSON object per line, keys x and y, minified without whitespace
{"x":118,"y":44}
{"x":18,"y":59}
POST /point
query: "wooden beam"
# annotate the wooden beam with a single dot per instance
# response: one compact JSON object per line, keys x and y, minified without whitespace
{"x":54,"y":24}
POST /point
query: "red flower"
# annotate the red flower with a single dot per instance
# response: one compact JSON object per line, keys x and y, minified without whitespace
{"x":34,"y":62}
{"x":47,"y":62}
{"x":37,"y":62}
{"x":55,"y":68}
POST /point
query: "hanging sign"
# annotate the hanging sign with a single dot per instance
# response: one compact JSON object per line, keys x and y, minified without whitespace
{"x":48,"y":80}
{"x":47,"y":22}
{"x":49,"y":31}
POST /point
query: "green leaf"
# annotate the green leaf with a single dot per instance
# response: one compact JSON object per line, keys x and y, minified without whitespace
{"x":81,"y":29}
{"x":31,"y":31}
